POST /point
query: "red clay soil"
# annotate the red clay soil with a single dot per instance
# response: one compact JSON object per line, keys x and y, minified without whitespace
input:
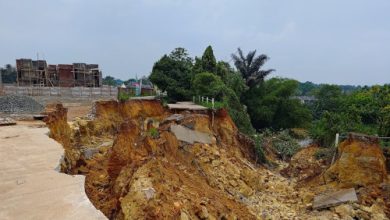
{"x":136,"y":168}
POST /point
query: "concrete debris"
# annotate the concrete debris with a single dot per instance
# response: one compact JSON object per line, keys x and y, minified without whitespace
{"x":190,"y":136}
{"x":19,"y":104}
{"x":334,"y":198}
{"x":175,"y":117}
{"x":149,"y":192}
{"x":186,"y":106}
{"x":7,"y":121}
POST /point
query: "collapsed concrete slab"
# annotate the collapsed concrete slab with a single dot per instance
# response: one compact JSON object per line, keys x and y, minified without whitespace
{"x":334,"y":198}
{"x":190,"y":136}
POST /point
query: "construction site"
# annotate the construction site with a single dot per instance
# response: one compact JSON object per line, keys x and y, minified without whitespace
{"x":38,"y":73}
{"x":138,"y":159}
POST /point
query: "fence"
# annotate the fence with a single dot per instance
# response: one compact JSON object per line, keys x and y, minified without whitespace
{"x":205,"y":101}
{"x":77,"y":92}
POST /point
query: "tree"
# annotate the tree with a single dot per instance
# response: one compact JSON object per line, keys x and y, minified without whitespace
{"x":329,"y":98}
{"x":8,"y":74}
{"x":271,"y":105}
{"x":109,"y":80}
{"x":208,"y":84}
{"x":249,"y":66}
{"x":173,"y":73}
{"x":306,"y":88}
{"x":209,"y":62}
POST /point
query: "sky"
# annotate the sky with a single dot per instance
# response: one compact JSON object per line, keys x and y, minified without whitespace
{"x":323,"y":41}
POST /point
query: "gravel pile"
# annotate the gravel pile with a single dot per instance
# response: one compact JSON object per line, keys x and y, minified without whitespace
{"x":18,"y":104}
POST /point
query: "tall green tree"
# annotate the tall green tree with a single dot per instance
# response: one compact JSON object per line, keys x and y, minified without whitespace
{"x":250,"y":67}
{"x":329,"y":98}
{"x":209,"y":62}
{"x":173,"y":73}
{"x":270,"y":105}
{"x":208,"y":84}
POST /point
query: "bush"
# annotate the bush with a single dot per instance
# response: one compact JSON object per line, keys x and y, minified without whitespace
{"x":299,"y":133}
{"x":153,"y":133}
{"x":260,"y":156}
{"x":123,"y":96}
{"x":285,"y":145}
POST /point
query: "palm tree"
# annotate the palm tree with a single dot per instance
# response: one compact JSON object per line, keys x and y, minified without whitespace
{"x":249,"y":67}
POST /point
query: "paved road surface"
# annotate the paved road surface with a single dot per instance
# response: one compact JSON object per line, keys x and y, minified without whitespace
{"x":30,"y":188}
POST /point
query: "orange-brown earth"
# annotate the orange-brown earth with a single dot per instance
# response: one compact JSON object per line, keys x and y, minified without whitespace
{"x":137,"y":168}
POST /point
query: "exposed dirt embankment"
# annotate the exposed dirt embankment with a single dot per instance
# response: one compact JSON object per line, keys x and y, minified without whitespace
{"x":142,"y":162}
{"x":360,"y":163}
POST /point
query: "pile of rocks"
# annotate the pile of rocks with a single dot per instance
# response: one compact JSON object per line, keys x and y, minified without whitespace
{"x":7,"y":121}
{"x":18,"y":104}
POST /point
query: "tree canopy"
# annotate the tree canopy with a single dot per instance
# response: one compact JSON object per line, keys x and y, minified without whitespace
{"x":250,"y":67}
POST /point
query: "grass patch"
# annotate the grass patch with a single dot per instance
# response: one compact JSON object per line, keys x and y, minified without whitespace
{"x":153,"y":133}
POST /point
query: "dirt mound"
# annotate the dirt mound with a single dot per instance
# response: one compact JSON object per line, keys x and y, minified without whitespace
{"x":360,"y":163}
{"x":304,"y":165}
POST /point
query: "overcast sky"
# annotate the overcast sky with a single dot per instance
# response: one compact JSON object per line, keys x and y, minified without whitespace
{"x":328,"y":41}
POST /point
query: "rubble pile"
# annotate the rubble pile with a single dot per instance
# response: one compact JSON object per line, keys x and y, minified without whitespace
{"x":304,"y":165}
{"x":5,"y":121}
{"x":19,"y":104}
{"x":143,"y":162}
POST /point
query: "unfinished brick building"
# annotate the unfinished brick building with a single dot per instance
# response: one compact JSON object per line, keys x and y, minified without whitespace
{"x":38,"y":73}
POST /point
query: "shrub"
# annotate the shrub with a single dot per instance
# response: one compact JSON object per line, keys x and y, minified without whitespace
{"x":299,"y":133}
{"x":260,"y":156}
{"x":285,"y":145}
{"x":153,"y":133}
{"x":123,"y":96}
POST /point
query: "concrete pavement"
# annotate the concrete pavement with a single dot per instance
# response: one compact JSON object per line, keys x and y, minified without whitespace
{"x":30,"y":187}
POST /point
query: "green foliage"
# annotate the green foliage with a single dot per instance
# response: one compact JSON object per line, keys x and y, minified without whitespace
{"x":260,"y":156}
{"x":250,"y":67}
{"x":8,"y":74}
{"x":231,"y":78}
{"x":365,"y":111}
{"x":217,"y":105}
{"x":123,"y":96}
{"x":299,"y":133}
{"x":109,"y":80}
{"x":173,"y":74}
{"x":306,"y":88}
{"x":209,"y":62}
{"x":208,"y":84}
{"x":270,"y":104}
{"x":153,"y":133}
{"x":329,"y":98}
{"x":285,"y":145}
{"x":238,"y":112}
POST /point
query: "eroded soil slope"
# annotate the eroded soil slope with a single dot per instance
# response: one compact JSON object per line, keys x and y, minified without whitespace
{"x":143,"y":162}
